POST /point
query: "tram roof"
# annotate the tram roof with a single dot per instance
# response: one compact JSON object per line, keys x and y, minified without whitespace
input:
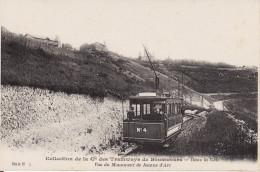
{"x":152,"y":98}
{"x":147,"y":96}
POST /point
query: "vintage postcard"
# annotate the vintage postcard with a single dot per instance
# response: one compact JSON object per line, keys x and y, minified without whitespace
{"x":129,"y":85}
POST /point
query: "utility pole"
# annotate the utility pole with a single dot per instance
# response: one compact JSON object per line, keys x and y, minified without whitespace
{"x":182,"y":78}
{"x":156,"y":77}
{"x":169,"y":79}
{"x":178,"y":88}
{"x":182,"y":83}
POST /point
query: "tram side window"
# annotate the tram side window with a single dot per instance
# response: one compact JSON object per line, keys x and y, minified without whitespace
{"x":176,"y":108}
{"x":172,"y":109}
{"x":169,"y":110}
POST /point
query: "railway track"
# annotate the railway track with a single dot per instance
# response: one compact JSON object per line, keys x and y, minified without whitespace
{"x":128,"y":151}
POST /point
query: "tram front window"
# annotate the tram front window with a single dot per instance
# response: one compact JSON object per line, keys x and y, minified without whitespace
{"x":146,"y":111}
{"x":157,"y":113}
{"x":159,"y":109}
{"x":136,"y":109}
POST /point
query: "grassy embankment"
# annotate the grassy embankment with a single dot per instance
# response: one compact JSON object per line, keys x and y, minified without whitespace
{"x":91,"y":72}
{"x":206,"y":77}
{"x":221,"y":137}
{"x":242,"y":105}
{"x":96,"y":74}
{"x":244,"y":109}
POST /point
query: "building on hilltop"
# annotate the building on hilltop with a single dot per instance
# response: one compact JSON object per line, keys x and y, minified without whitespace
{"x":43,"y":40}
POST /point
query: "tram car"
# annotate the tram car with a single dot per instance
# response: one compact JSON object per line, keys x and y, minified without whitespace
{"x":152,"y":118}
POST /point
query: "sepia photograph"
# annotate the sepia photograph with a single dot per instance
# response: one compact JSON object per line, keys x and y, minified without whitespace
{"x":129,"y":85}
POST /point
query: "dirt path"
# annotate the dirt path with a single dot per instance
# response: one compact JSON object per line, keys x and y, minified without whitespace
{"x":178,"y":145}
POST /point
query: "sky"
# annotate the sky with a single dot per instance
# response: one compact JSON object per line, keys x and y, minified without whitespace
{"x":215,"y":31}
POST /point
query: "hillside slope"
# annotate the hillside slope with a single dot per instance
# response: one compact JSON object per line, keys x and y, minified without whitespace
{"x":208,"y":77}
{"x":103,"y":73}
{"x":91,"y":72}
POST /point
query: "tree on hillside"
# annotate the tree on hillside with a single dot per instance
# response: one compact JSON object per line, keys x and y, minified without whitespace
{"x":67,"y":46}
{"x":188,"y":62}
{"x":84,"y":47}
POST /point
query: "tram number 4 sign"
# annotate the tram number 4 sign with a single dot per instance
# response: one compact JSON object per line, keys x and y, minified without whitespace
{"x":140,"y":130}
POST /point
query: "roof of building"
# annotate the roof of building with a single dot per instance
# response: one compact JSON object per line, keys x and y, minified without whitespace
{"x":40,"y":37}
{"x":97,"y":43}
